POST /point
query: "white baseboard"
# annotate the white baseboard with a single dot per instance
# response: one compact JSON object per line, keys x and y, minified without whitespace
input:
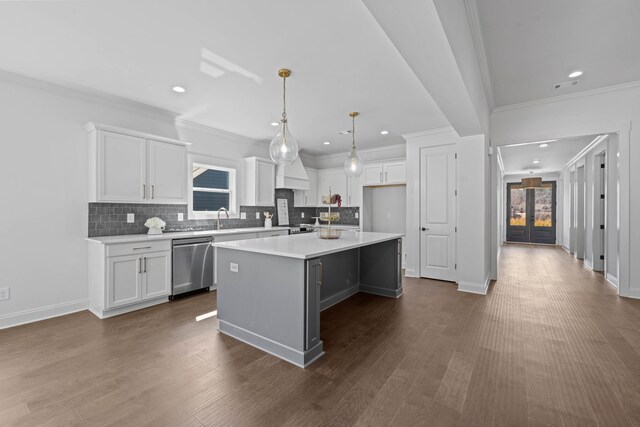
{"x":633,"y":293}
{"x":42,"y":313}
{"x":588,"y":264}
{"x":566,"y":248}
{"x":612,"y":279}
{"x":474,"y":288}
{"x":410,"y":273}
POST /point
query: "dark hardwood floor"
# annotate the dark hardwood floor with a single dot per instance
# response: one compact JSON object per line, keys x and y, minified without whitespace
{"x":551,"y":344}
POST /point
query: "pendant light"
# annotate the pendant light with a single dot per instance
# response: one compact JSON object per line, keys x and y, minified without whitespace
{"x":284,"y":148}
{"x":353,"y":164}
{"x":532,"y":182}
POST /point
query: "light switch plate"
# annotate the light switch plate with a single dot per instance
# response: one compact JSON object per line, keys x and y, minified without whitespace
{"x":180,"y":216}
{"x":302,"y":213}
{"x":233,"y":267}
{"x":131,"y":218}
{"x":243,"y":215}
{"x":357,"y":215}
{"x":4,"y":294}
{"x":257,"y":215}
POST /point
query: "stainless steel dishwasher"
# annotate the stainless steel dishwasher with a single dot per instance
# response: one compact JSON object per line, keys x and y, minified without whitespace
{"x":192,"y":265}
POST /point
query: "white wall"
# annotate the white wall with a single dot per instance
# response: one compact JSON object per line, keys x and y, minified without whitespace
{"x":472,"y":179}
{"x":43,"y":171}
{"x":613,"y":110}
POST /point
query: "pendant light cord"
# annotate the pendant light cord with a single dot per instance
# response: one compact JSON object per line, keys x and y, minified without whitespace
{"x":284,"y":99}
{"x":353,"y":133}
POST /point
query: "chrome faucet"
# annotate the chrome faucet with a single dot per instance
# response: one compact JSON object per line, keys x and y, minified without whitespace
{"x":225,"y":211}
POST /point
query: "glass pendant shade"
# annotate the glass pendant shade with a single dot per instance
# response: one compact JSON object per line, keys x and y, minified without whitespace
{"x":353,"y":164}
{"x":284,"y":147}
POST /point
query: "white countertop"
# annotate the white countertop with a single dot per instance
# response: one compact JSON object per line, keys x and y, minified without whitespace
{"x":309,"y":245}
{"x":130,"y":238}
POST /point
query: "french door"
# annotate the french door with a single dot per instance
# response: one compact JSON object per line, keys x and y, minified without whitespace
{"x":531,"y":213}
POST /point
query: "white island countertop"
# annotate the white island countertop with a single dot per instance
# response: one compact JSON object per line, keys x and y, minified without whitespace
{"x":130,"y":238}
{"x":309,"y":245}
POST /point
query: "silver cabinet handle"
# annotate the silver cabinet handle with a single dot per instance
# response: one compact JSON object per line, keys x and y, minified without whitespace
{"x":153,"y":191}
{"x":305,"y":200}
{"x":321,"y":274}
{"x":386,"y":176}
{"x":144,"y":191}
{"x":144,"y":247}
{"x":139,"y":265}
{"x":349,"y":200}
{"x":145,"y":264}
{"x":380,"y":176}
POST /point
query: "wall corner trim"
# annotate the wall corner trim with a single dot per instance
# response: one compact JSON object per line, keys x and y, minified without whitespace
{"x":42,"y":313}
{"x":474,"y":288}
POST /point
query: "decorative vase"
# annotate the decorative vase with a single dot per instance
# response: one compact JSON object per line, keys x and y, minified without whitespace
{"x":268,"y":223}
{"x":154,"y":230}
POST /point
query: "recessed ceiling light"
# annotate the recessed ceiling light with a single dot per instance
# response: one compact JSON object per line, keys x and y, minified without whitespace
{"x":575,"y":74}
{"x":274,"y":124}
{"x":179,"y":89}
{"x":326,"y":143}
{"x":544,"y":145}
{"x":384,"y":132}
{"x":535,"y":162}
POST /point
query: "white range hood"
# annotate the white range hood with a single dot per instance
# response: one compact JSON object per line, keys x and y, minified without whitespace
{"x":292,"y":177}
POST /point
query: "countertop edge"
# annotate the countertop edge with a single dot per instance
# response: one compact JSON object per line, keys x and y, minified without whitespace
{"x":132,"y":238}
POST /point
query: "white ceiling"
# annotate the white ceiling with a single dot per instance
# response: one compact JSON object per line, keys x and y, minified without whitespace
{"x":519,"y":159}
{"x":341,"y":59}
{"x":531,"y":45}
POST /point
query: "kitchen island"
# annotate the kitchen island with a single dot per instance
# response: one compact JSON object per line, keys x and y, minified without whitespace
{"x":271,"y":291}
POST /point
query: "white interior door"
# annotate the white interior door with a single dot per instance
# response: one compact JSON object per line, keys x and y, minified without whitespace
{"x":437,"y":213}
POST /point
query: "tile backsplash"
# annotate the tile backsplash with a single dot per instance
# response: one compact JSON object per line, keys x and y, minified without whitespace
{"x":110,"y":219}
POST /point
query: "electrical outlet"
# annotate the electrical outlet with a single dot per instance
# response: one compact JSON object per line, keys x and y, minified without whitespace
{"x":302,"y":213}
{"x":180,"y":216}
{"x":233,"y":267}
{"x":357,"y":215}
{"x":4,"y":294}
{"x":257,"y":215}
{"x":131,"y":218}
{"x":243,"y":215}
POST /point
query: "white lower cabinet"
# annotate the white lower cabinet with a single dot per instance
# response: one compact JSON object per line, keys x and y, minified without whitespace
{"x":127,"y":277}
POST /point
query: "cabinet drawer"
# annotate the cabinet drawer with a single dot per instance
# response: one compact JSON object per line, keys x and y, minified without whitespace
{"x":138,"y":247}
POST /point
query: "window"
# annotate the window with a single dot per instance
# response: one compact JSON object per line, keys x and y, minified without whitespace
{"x":213,"y":187}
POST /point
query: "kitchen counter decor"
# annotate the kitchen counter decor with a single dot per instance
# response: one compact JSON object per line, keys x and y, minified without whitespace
{"x":155,"y":225}
{"x":330,"y":232}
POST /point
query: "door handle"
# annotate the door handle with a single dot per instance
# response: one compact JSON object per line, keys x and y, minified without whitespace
{"x":425,"y":229}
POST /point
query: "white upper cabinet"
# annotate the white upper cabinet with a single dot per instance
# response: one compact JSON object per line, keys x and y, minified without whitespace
{"x":334,"y":179}
{"x":385,"y":173}
{"x":354,"y":191}
{"x":259,"y":182}
{"x":395,"y":173}
{"x":121,"y":168}
{"x":302,"y":198}
{"x":167,"y":172}
{"x":133,"y":167}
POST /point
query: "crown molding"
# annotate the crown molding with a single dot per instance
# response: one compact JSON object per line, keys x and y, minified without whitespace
{"x":473,"y":17}
{"x":569,"y":96}
{"x":187,"y":124}
{"x":87,"y":94}
{"x":430,"y":132}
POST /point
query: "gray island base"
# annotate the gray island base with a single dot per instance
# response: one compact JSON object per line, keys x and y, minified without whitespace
{"x":271,"y":290}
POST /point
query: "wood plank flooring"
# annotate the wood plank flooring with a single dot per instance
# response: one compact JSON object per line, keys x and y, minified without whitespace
{"x":551,"y":344}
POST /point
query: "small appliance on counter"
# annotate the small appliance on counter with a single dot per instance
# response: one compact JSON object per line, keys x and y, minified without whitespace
{"x":301,"y":228}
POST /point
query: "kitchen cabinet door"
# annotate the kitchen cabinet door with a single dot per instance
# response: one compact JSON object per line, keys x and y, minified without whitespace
{"x":259,"y":182}
{"x":311,"y":195}
{"x":124,"y":275}
{"x":334,"y":179}
{"x":354,"y":191}
{"x":122,"y":173}
{"x":372,"y":175}
{"x":395,"y":173}
{"x":156,"y":275}
{"x":167,"y":173}
{"x":312,"y":306}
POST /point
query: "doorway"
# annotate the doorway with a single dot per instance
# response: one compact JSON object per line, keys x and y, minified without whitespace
{"x":531,"y":213}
